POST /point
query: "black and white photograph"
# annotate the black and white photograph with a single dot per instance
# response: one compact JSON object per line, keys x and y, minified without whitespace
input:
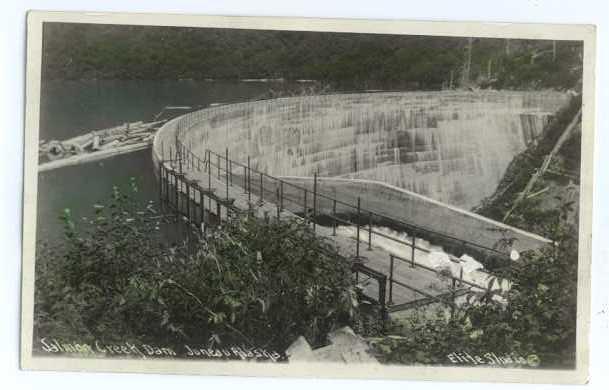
{"x":350,"y":200}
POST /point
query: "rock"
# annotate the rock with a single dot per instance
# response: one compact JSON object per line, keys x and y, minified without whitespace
{"x":345,"y":347}
{"x":300,"y":350}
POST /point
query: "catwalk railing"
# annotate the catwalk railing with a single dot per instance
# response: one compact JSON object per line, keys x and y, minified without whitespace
{"x":190,"y":196}
{"x":201,"y":207}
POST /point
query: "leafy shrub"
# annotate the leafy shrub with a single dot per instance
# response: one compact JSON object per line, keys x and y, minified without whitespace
{"x":538,"y":321}
{"x":248,"y":282}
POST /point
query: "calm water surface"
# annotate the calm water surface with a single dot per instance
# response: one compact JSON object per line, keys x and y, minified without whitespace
{"x":70,"y":108}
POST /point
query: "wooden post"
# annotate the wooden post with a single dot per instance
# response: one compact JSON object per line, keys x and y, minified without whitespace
{"x":261,"y":189}
{"x":305,"y":211}
{"x":177,"y":194}
{"x":413,"y":246}
{"x":188,"y":236}
{"x":171,"y":183}
{"x":209,"y":180}
{"x":245,"y":180}
{"x":390,"y":279}
{"x":277,"y":202}
{"x":249,"y":181}
{"x":359,"y":215}
{"x":168,"y":172}
{"x":334,"y":217}
{"x":230,"y":171}
{"x":167,"y":184}
{"x":163,"y":187}
{"x":383,"y":298}
{"x":161,"y":182}
{"x":187,"y":200}
{"x":314,"y":199}
{"x":179,"y":157}
{"x":227,"y":178}
{"x":202,"y":208}
{"x":281,"y":195}
{"x":218,"y":163}
{"x":370,"y":231}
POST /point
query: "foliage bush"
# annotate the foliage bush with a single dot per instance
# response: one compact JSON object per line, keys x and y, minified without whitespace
{"x":250,"y":282}
{"x":537,"y":320}
{"x":525,"y":71}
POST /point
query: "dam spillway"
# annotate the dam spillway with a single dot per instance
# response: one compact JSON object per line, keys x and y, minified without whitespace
{"x":451,"y":146}
{"x":423,"y":158}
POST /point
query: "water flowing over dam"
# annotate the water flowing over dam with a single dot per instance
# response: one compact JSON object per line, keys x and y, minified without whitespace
{"x":423,"y":158}
{"x":451,"y":146}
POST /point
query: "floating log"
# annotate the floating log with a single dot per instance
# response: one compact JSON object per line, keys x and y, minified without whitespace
{"x":98,"y":144}
{"x":87,"y":144}
{"x":93,"y":156}
{"x":110,"y":144}
{"x":55,"y":150}
{"x":73,"y":147}
{"x":141,"y":133}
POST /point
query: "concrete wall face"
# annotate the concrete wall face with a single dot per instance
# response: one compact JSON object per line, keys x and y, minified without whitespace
{"x":450,"y":146}
{"x":413,"y":209}
{"x":420,"y":157}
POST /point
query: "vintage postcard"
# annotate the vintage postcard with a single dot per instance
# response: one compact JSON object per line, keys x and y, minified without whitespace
{"x":307,"y":197}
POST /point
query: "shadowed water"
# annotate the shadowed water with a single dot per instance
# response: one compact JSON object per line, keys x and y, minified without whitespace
{"x":71,"y":108}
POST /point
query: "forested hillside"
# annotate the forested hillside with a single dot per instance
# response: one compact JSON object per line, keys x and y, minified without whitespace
{"x":357,"y":61}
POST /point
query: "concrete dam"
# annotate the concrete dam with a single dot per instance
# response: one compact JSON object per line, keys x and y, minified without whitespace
{"x":453,"y":147}
{"x":422,"y":157}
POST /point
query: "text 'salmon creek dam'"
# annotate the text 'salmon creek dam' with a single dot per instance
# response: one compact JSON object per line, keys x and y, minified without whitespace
{"x":424,"y":157}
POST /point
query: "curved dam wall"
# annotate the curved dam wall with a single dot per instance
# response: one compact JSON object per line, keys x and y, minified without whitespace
{"x":417,"y":210}
{"x":453,"y":147}
{"x":421,"y":157}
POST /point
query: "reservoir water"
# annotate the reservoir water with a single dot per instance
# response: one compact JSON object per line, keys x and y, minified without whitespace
{"x":70,"y":108}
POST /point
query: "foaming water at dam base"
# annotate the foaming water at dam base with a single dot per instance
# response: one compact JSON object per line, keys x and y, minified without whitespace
{"x":423,"y":158}
{"x":472,"y":270}
{"x":453,"y":147}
